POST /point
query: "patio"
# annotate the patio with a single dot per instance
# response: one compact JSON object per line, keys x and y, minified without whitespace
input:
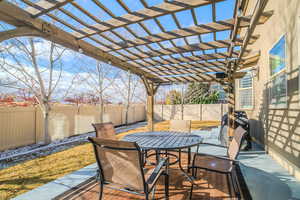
{"x":265,"y":180}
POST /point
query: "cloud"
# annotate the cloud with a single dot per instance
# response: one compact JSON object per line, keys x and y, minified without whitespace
{"x":73,"y":68}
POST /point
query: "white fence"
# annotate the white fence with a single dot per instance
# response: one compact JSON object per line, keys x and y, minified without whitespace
{"x":24,"y":125}
{"x":190,"y":111}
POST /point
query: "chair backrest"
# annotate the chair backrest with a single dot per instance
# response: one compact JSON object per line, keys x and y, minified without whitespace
{"x":105,"y":130}
{"x":180,"y":126}
{"x":235,"y":144}
{"x":119,"y":163}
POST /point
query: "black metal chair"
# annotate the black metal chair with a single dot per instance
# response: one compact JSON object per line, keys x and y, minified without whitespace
{"x":223,"y":165}
{"x":121,"y":167}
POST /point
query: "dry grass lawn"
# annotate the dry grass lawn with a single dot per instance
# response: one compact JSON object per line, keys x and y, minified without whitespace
{"x":34,"y":173}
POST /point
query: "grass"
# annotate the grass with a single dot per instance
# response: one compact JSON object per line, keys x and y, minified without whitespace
{"x":31,"y":174}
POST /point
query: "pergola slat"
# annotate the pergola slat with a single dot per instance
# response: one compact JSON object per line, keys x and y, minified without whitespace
{"x":185,"y":32}
{"x":200,"y":57}
{"x":170,"y":61}
{"x":188,"y":48}
{"x":147,"y":13}
{"x":44,"y":6}
{"x":208,"y":65}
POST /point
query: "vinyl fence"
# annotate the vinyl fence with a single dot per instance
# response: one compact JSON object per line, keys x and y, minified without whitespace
{"x":22,"y":126}
{"x":190,"y":112}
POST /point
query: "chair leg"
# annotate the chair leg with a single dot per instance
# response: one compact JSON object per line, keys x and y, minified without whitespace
{"x":197,"y":148}
{"x":101,"y":191}
{"x":153,"y":192}
{"x":191,"y":192}
{"x":235,"y":187}
{"x":167,"y":186}
{"x":157,"y":156}
{"x":189,"y":159}
{"x":195,"y":172}
{"x":229,"y":185}
{"x":146,"y":196}
{"x":145,"y":157}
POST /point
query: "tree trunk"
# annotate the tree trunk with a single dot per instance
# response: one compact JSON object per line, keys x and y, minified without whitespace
{"x":128,"y":97}
{"x":46,"y":113}
{"x":101,"y":112}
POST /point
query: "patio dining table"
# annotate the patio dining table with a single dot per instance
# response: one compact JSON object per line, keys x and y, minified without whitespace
{"x":165,"y":141}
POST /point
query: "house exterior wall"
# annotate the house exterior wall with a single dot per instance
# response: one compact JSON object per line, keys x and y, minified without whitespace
{"x":277,"y":129}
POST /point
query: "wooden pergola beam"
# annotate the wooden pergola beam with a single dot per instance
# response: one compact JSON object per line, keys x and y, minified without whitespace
{"x":19,"y":32}
{"x":17,"y":17}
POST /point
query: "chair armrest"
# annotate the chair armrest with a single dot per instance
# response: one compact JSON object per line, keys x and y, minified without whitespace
{"x":215,"y":156}
{"x":225,"y":158}
{"x":217,"y":145}
{"x":157,"y":170}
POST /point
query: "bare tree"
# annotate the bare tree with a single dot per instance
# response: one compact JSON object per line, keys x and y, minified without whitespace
{"x":99,"y":78}
{"x":37,"y":66}
{"x":130,"y":89}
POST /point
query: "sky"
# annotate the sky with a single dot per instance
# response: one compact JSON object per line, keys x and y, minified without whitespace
{"x":74,"y":63}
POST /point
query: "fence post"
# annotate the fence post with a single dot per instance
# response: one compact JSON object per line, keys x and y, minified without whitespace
{"x":162,"y":112}
{"x":35,"y":124}
{"x":200,"y":107}
{"x":222,"y":111}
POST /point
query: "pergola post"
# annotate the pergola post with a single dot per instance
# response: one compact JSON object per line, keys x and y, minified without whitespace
{"x":151,"y":89}
{"x":150,"y":109}
{"x":231,"y":102}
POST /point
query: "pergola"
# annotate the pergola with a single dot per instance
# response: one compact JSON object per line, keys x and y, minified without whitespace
{"x":101,"y":39}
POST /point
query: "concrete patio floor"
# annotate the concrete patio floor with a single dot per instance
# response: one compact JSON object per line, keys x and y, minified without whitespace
{"x":265,"y":178}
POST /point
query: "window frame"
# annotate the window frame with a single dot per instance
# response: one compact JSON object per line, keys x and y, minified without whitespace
{"x":252,"y":92}
{"x":282,"y":71}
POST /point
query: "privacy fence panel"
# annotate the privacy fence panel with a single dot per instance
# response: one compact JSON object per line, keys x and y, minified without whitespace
{"x":17,"y":127}
{"x":114,"y":114}
{"x":190,"y":112}
{"x":22,"y":126}
{"x":85,"y":117}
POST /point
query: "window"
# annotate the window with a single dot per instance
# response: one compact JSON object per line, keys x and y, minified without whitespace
{"x":278,"y":82}
{"x":245,"y":92}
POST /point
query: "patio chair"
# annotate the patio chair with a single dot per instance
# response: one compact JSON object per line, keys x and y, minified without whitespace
{"x":180,"y":126}
{"x":183,"y":126}
{"x":105,"y":130}
{"x":223,"y":165}
{"x":121,"y":168}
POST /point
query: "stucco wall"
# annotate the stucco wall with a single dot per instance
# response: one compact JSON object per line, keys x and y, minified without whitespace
{"x":278,"y":129}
